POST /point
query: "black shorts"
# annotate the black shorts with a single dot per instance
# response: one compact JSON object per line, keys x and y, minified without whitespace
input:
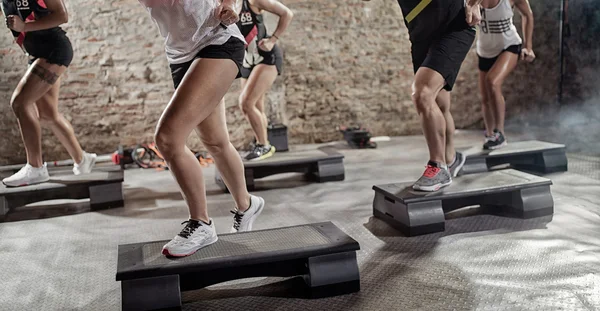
{"x":272,"y":58}
{"x":54,"y":47}
{"x":485,"y":64}
{"x":232,"y":49}
{"x":446,"y":51}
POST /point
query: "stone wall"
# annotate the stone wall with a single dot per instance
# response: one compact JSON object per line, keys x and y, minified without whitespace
{"x":345,"y":63}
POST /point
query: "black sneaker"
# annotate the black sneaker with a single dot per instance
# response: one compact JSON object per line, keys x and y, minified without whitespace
{"x":260,"y":152}
{"x":496,"y":142}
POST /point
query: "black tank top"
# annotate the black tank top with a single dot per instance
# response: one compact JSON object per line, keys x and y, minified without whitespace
{"x":28,"y":10}
{"x":251,"y":25}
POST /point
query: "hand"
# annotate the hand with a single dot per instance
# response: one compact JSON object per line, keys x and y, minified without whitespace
{"x":527,"y":55}
{"x":473,"y":14}
{"x":226,"y":13}
{"x":266,"y":44}
{"x":15,"y":23}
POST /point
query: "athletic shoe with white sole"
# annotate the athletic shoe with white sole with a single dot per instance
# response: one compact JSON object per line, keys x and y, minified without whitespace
{"x":28,"y":175}
{"x":86,"y":165}
{"x":194,"y":236}
{"x":243,"y":221}
{"x":457,"y":165}
{"x":434,"y":178}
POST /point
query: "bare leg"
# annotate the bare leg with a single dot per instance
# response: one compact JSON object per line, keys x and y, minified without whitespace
{"x":443,"y":101}
{"x":426,"y":88}
{"x":38,"y":80}
{"x":215,"y":137}
{"x":260,"y":105}
{"x":47,"y":107}
{"x":197,"y":97}
{"x":260,"y":81}
{"x":505,"y":64}
{"x":486,"y":105}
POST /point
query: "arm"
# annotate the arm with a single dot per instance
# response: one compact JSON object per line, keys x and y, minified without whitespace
{"x":277,"y":8}
{"x":472,"y":11}
{"x":58,"y":16}
{"x":526,"y":22}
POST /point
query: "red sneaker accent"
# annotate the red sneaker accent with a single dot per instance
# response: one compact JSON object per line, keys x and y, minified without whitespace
{"x":431,"y":171}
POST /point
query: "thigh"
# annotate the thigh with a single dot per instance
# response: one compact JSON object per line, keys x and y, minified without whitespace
{"x":200,"y":91}
{"x":47,"y":105}
{"x":213,"y":130}
{"x":38,"y":80}
{"x":429,"y":80}
{"x":504,"y":65}
{"x":260,"y":81}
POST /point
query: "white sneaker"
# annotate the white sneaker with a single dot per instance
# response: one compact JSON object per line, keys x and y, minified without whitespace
{"x":243,"y":221}
{"x":86,"y":165}
{"x":28,"y":175}
{"x":194,"y":236}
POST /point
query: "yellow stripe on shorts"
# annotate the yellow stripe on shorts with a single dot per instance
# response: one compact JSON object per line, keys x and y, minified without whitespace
{"x":417,"y":10}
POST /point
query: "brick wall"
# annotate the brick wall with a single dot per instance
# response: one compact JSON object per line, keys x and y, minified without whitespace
{"x":346,"y":62}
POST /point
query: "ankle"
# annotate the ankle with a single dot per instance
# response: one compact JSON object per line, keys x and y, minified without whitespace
{"x":245,"y":204}
{"x":203,"y":220}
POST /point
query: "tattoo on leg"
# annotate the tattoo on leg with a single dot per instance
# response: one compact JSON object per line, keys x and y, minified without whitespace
{"x":45,"y":74}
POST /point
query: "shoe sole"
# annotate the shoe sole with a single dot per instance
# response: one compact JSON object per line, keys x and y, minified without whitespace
{"x":169,"y":254}
{"x":460,"y":166}
{"x":499,"y":146}
{"x":265,"y":156}
{"x":431,"y":188}
{"x":253,"y":217}
{"x":26,"y":184}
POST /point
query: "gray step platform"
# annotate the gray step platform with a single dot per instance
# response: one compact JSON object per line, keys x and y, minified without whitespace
{"x":533,"y":155}
{"x":507,"y":193}
{"x":321,"y":253}
{"x":322,"y":165}
{"x":103,"y":188}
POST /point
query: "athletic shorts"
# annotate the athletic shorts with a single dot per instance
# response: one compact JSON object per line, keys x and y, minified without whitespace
{"x":232,"y":49}
{"x":54,"y":47}
{"x":271,"y":58}
{"x":485,"y":64}
{"x":446,"y":51}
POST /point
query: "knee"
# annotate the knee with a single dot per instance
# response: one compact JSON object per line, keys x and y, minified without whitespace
{"x":423,"y":98}
{"x":245,"y":103}
{"x":166,"y":142}
{"x":216,"y":147}
{"x":48,"y":117}
{"x":17,"y":104}
{"x":494,"y":85}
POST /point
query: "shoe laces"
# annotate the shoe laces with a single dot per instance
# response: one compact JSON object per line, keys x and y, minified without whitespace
{"x":237,"y":219}
{"x":431,"y":171}
{"x":190,"y":227}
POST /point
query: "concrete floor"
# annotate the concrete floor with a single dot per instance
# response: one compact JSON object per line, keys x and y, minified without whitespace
{"x":480,"y":262}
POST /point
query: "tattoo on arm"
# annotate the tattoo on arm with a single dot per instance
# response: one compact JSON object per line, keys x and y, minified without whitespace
{"x":45,"y":74}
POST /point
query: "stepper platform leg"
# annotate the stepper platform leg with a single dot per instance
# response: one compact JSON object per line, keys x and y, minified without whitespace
{"x":106,"y":196}
{"x":334,"y":274}
{"x":158,"y":293}
{"x":411,"y":219}
{"x":330,"y":170}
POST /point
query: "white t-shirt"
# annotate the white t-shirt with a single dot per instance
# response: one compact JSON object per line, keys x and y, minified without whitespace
{"x":188,"y":26}
{"x":496,"y":30}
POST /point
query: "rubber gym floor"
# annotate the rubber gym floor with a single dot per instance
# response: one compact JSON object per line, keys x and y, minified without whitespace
{"x":67,"y":261}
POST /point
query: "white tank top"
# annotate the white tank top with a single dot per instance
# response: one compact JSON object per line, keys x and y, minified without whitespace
{"x":496,"y":30}
{"x":188,"y":26}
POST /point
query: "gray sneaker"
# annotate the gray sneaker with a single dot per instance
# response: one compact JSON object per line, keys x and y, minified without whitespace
{"x":433,"y":178}
{"x":457,"y":165}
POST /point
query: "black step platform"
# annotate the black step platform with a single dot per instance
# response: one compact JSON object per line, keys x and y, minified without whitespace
{"x":323,"y":165}
{"x":103,"y":188}
{"x":321,"y":253}
{"x":507,"y":193}
{"x":535,"y":156}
